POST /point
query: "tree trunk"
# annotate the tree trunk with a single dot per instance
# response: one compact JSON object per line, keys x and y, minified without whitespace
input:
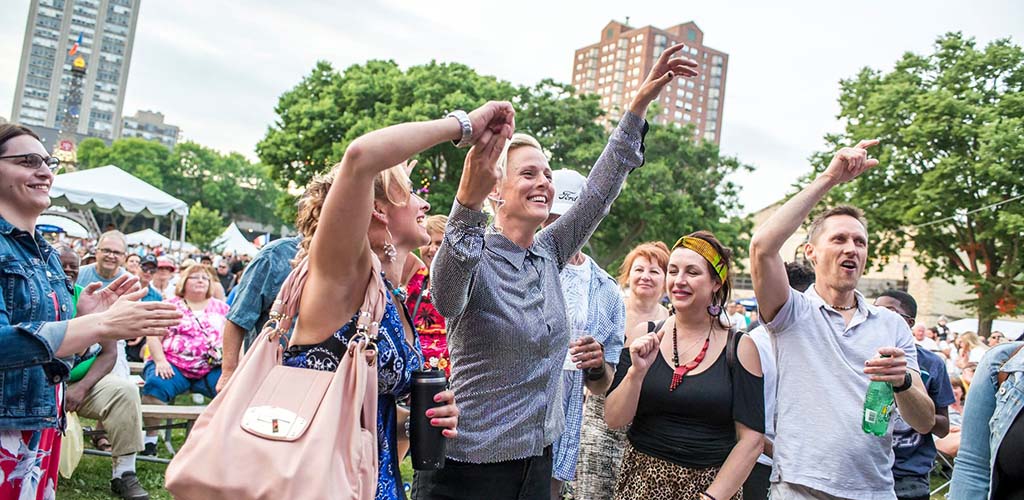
{"x":984,"y":326}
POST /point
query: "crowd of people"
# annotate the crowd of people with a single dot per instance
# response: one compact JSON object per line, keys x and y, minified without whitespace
{"x":563,"y":380}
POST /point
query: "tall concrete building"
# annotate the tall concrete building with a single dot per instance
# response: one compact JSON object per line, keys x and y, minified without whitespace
{"x":615,"y":67}
{"x":149,"y":125}
{"x":107,"y":30}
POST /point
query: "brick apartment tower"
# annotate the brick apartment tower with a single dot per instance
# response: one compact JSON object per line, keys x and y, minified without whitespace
{"x":615,"y":67}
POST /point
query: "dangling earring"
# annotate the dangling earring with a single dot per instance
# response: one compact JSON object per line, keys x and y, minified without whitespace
{"x":390,"y":252}
{"x":714,"y":310}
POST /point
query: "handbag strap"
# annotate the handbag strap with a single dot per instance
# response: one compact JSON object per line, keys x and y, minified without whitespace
{"x":286,"y":305}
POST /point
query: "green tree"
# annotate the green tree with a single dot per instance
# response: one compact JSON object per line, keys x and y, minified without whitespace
{"x":680,"y":190}
{"x":204,"y":226}
{"x":950,"y":126}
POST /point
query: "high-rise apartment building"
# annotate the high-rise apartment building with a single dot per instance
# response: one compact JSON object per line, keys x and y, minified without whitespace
{"x":615,"y":67}
{"x":107,"y":31}
{"x":149,"y":125}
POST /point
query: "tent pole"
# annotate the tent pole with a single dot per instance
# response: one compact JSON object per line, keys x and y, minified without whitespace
{"x":184,"y":221}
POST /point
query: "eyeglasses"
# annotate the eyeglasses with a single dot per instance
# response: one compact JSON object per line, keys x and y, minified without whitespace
{"x":909,"y":319}
{"x":115,"y":253}
{"x":35,"y":160}
{"x":147,"y":269}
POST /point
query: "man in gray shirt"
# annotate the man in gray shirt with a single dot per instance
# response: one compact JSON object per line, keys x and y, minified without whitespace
{"x":501,"y":295}
{"x":828,"y":345}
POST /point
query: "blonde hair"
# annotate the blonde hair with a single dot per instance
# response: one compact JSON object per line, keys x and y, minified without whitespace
{"x":391,"y":186}
{"x":436,"y":223}
{"x":654,"y":251}
{"x":971,"y":339}
{"x":179,"y":288}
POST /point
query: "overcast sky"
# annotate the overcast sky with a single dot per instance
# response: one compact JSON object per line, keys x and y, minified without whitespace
{"x":216,"y":68}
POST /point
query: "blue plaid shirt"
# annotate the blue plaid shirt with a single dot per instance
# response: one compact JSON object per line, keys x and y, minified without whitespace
{"x":606,"y":322}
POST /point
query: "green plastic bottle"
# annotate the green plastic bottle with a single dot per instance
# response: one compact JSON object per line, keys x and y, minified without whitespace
{"x":878,"y":408}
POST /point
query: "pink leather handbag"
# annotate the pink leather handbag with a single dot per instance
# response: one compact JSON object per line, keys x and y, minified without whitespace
{"x":280,"y":432}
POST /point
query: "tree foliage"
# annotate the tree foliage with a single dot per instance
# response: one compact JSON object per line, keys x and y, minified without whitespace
{"x":950,"y":125}
{"x":204,"y":226}
{"x":227,"y":183}
{"x":680,"y":190}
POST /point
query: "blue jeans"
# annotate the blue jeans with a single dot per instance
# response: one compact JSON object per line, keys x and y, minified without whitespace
{"x":167,"y":389}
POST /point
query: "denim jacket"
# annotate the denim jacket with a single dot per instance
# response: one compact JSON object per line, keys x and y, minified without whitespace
{"x":34,"y":291}
{"x":988,"y":414}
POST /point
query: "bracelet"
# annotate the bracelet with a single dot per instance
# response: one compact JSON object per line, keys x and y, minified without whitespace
{"x":908,"y":381}
{"x":596,"y":373}
{"x":708,"y":495}
{"x":465,"y":125}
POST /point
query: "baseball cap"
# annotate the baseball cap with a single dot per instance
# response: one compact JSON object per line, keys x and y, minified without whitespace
{"x":568,"y":186}
{"x":149,"y":259}
{"x":165,"y":262}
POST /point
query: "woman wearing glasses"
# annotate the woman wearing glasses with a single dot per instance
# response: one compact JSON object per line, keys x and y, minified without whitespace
{"x":37,"y":331}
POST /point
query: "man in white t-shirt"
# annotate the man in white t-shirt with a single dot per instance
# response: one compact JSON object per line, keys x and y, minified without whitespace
{"x":829,"y":342}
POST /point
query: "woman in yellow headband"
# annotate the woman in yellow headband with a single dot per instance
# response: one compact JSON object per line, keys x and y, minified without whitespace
{"x":691,"y":388}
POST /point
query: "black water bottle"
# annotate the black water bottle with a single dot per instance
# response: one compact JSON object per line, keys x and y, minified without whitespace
{"x":426,"y":441}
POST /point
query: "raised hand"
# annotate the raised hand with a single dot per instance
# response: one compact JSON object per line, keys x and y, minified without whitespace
{"x":644,"y":350}
{"x":848,"y":163}
{"x":480,"y":172}
{"x":496,"y":117}
{"x":93,"y":299}
{"x":663,"y":72}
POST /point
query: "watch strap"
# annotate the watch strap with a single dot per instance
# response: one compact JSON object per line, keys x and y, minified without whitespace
{"x":465,"y":125}
{"x":908,"y":381}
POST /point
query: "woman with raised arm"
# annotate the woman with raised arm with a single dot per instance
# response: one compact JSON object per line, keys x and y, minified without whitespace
{"x":500,"y":294}
{"x":642,"y":274}
{"x":697,"y":421}
{"x":39,"y":331}
{"x":369,"y":209}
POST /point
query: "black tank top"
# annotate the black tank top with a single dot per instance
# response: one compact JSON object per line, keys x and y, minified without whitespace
{"x":693,"y":426}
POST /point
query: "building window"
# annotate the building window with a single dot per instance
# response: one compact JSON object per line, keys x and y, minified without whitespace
{"x":609,"y":34}
{"x":691,"y":34}
{"x":679,"y":115}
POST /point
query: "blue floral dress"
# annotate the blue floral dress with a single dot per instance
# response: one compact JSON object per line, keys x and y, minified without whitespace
{"x":396,"y":360}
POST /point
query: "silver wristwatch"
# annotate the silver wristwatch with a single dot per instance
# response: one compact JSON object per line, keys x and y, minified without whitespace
{"x":465,"y":124}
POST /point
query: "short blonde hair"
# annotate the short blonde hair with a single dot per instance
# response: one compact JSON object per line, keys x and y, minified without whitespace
{"x":436,"y":224}
{"x":179,"y":287}
{"x":518,"y":140}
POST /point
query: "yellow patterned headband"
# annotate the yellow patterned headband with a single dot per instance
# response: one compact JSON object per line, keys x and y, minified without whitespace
{"x":705,"y":250}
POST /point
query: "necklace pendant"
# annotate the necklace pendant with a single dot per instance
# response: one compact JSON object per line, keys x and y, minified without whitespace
{"x":677,"y":378}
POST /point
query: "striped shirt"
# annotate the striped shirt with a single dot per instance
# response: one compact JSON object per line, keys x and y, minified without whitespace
{"x":507,"y":327}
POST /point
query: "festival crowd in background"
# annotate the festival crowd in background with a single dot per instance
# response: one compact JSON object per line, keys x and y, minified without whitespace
{"x":564,"y":381}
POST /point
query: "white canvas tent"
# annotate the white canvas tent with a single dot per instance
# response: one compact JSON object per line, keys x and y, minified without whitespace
{"x":110,"y":189}
{"x":71,"y":227}
{"x":232,"y":240}
{"x":148,"y":237}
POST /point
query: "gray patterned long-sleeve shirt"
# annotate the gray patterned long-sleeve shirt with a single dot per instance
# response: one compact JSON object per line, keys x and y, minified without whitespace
{"x":507,"y":327}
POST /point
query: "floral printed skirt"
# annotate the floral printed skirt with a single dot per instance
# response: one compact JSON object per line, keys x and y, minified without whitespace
{"x":29,"y":463}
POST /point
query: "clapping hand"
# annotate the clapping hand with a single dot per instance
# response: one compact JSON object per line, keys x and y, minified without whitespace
{"x":496,"y":117}
{"x":663,"y":72}
{"x":848,"y":163}
{"x":96,"y":298}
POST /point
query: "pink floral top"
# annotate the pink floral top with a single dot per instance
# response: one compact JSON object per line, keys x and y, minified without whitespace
{"x":195,"y":345}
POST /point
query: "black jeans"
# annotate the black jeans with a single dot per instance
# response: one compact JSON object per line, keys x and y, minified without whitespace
{"x":523,"y":479}
{"x":758,"y":482}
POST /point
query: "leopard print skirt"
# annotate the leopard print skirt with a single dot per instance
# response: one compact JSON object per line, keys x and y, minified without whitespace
{"x":644,"y":477}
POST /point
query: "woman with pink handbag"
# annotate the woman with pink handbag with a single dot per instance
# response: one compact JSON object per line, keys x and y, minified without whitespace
{"x":370,"y":196}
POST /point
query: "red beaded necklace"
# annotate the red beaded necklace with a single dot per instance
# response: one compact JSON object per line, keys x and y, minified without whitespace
{"x":681,"y":371}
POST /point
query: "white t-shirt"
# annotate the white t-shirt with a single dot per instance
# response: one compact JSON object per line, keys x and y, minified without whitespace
{"x":821,"y":386}
{"x":767,"y":354}
{"x":928,"y":344}
{"x":739,"y":320}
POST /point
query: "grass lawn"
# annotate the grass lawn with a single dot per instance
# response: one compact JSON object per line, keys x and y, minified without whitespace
{"x":91,"y":480}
